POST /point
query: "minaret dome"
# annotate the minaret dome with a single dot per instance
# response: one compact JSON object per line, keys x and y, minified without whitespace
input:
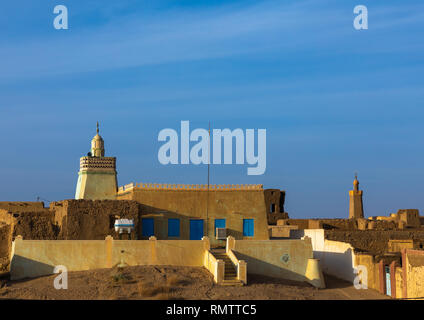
{"x":97,"y":145}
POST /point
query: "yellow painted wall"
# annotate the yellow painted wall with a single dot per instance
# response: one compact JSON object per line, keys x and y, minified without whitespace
{"x":368,"y":261}
{"x":399,"y":282}
{"x":415,"y":275}
{"x":266,"y":257}
{"x":416,"y":282}
{"x":32,"y":258}
{"x":234,"y":206}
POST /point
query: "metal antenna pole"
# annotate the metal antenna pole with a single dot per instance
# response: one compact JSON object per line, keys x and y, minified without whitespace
{"x":207,"y":195}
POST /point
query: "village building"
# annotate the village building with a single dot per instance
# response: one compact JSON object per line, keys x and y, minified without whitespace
{"x":231,"y":230}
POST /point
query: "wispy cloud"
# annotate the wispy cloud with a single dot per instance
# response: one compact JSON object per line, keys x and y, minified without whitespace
{"x":178,"y":35}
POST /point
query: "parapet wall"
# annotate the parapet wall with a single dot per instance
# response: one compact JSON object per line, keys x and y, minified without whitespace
{"x":403,"y":220}
{"x":189,"y":187}
{"x":286,"y":259}
{"x":373,"y":241}
{"x":32,"y":258}
{"x":20,"y":206}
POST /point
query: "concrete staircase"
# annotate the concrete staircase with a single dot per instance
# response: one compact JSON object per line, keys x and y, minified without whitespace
{"x":230,"y":275}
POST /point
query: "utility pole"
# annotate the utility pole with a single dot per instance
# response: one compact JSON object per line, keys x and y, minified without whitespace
{"x":207,"y":195}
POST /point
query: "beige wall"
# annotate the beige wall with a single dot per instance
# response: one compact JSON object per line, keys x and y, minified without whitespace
{"x":32,"y":258}
{"x":399,"y":282}
{"x":373,"y":275}
{"x":280,"y":231}
{"x":337,"y":258}
{"x":415,"y":273}
{"x":266,"y":257}
{"x":96,"y":185}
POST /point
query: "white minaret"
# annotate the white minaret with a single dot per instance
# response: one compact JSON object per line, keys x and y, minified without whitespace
{"x":97,"y":178}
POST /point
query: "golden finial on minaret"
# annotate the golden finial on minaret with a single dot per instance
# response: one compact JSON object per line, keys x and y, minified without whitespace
{"x":97,"y":127}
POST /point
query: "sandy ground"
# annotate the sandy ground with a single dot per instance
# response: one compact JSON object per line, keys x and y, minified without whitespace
{"x":168,"y":282}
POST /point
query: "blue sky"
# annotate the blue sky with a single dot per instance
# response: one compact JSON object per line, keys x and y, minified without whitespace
{"x":334,"y":100}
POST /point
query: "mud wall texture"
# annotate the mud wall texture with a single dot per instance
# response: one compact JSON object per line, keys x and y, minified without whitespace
{"x":344,"y":224}
{"x":32,"y":225}
{"x":5,"y":246}
{"x":414,"y":271}
{"x":372,"y":270}
{"x":35,"y":225}
{"x":92,"y":219}
{"x":286,"y":259}
{"x":20,"y":206}
{"x":274,"y":203}
{"x":374,"y":241}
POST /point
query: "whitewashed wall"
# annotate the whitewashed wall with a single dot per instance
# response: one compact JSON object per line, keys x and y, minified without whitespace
{"x":336,"y":258}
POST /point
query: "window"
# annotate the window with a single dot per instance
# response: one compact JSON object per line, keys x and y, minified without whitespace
{"x":147,"y":227}
{"x":219,"y":223}
{"x":248,"y":228}
{"x":173,"y":227}
{"x":272,"y":207}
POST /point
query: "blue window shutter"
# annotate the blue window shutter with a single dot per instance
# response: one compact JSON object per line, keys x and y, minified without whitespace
{"x":248,"y":228}
{"x":219,"y":223}
{"x":173,"y":227}
{"x":245,"y":231}
{"x":196,"y":229}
